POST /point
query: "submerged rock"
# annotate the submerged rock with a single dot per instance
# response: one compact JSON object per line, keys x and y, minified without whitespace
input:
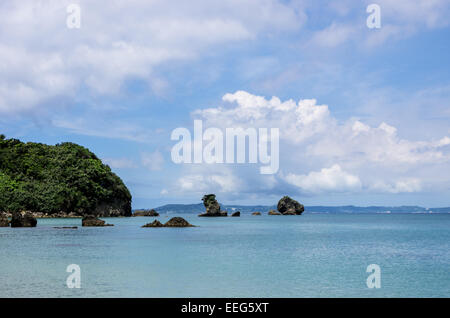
{"x":256,"y":213}
{"x":25,"y":219}
{"x":273,"y":212}
{"x":91,"y":220}
{"x":173,"y":222}
{"x":155,"y":223}
{"x":4,"y":221}
{"x":151,"y":212}
{"x":288,"y":206}
{"x":212,"y":206}
{"x":66,"y":227}
{"x":237,"y":213}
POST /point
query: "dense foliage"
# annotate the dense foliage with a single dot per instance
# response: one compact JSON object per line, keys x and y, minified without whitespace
{"x":61,"y":178}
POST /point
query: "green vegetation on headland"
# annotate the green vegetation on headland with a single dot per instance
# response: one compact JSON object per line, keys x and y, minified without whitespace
{"x":61,"y":179}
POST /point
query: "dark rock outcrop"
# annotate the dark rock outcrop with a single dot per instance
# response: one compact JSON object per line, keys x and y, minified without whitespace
{"x":237,"y":213}
{"x":155,"y":223}
{"x":91,"y":220}
{"x":177,"y":222}
{"x":288,"y":206}
{"x":212,"y":206}
{"x":273,"y":212}
{"x":4,"y":221}
{"x":151,"y":212}
{"x":173,"y":222}
{"x":256,"y":213}
{"x":24,"y":219}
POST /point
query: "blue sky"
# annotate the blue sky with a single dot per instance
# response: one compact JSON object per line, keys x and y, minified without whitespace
{"x":377,"y":132}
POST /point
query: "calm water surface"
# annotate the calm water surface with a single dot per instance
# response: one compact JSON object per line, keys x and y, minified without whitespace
{"x":313,"y":255}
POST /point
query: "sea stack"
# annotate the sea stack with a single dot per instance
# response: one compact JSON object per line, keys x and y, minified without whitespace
{"x":288,"y":206}
{"x":24,"y":219}
{"x":212,"y":206}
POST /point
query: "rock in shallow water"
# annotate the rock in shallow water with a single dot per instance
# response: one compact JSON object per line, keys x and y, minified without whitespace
{"x":237,"y":213}
{"x":173,"y":222}
{"x":288,"y":206}
{"x":212,"y":206}
{"x":256,"y":213}
{"x":23,"y":220}
{"x":155,"y":223}
{"x":273,"y":212}
{"x":91,"y":220}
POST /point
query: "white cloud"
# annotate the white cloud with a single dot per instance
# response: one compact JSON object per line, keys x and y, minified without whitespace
{"x":332,"y":179}
{"x":117,"y":41}
{"x":297,"y":121}
{"x":375,"y":159}
{"x":401,"y":186}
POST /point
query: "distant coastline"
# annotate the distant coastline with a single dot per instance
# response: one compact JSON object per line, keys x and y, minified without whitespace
{"x":195,"y":208}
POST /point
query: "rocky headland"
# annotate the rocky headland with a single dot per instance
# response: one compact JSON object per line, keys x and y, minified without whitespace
{"x":65,"y":180}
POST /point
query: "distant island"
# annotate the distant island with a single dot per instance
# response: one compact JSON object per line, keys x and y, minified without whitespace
{"x":61,"y":180}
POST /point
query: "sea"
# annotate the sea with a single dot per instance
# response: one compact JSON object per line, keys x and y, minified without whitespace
{"x":312,"y":255}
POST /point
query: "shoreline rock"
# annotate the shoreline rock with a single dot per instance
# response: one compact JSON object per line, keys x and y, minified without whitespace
{"x":151,"y":212}
{"x":173,"y":222}
{"x":4,"y":221}
{"x":25,"y":219}
{"x":237,"y":213}
{"x":91,"y":220}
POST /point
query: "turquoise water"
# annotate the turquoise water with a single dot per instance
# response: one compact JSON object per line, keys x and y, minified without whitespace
{"x":313,"y":255}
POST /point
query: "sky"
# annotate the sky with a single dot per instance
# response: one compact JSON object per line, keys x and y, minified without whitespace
{"x":363,"y":113}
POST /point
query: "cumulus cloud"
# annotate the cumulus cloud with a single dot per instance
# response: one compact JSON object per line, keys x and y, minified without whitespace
{"x":332,"y":179}
{"x":298,"y":121}
{"x":320,"y":154}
